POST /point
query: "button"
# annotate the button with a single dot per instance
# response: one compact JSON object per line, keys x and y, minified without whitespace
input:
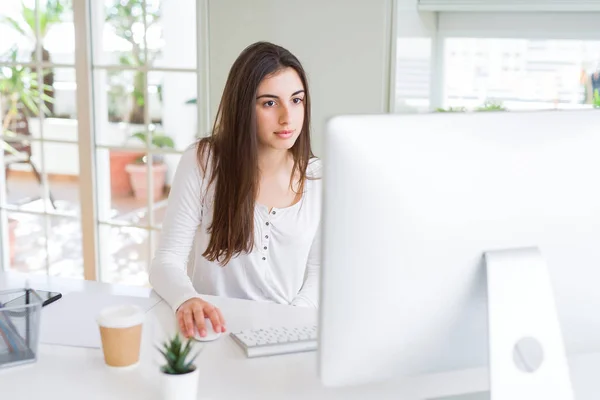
{"x":264,"y":258}
{"x":266,"y":236}
{"x":273,"y":213}
{"x":265,"y":247}
{"x":268,"y":224}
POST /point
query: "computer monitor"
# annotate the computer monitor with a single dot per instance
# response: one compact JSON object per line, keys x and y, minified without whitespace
{"x":413,"y":203}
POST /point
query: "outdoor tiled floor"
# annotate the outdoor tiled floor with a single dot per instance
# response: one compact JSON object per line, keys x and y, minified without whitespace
{"x":124,"y":251}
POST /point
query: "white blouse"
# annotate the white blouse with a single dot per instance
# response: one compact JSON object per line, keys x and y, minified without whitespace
{"x":283,"y":267}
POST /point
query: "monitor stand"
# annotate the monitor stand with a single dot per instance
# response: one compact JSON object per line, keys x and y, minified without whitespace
{"x":526,"y":351}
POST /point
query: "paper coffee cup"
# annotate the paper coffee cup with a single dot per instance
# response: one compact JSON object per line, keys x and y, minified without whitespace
{"x":121,"y":334}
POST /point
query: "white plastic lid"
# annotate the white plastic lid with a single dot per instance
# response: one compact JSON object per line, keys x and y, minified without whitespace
{"x":122,"y":316}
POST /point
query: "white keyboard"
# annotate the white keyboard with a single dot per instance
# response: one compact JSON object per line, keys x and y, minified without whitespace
{"x":273,"y":341}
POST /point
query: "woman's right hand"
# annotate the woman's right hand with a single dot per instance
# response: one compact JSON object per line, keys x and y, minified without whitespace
{"x":193,"y":312}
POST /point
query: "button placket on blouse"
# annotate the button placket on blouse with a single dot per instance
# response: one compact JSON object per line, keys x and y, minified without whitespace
{"x":265,"y":245}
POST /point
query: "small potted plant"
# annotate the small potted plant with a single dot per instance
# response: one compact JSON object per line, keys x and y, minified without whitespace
{"x":596,"y":99}
{"x":138,"y":170}
{"x":491,"y":105}
{"x":179,"y":375}
{"x":451,"y":110}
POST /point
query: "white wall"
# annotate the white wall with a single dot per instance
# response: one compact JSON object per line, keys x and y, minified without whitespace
{"x":344,"y":45}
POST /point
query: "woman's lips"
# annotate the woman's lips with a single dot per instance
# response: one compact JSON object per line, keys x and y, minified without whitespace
{"x":285,"y":134}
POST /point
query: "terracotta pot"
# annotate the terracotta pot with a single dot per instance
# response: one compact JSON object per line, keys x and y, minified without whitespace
{"x":139,"y":181}
{"x":120,"y":184}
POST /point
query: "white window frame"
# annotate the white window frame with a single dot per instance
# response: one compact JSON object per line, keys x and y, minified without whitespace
{"x":510,"y":5}
{"x":90,"y":223}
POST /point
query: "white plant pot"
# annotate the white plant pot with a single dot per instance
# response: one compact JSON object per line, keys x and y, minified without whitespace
{"x":180,"y":387}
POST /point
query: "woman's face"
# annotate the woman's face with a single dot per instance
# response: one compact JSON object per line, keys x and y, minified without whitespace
{"x":280,"y":109}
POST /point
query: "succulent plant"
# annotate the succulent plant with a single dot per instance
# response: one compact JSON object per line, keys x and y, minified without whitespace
{"x":176,"y":353}
{"x":596,"y":100}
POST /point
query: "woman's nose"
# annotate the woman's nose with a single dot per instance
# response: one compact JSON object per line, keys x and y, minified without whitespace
{"x":284,"y":116}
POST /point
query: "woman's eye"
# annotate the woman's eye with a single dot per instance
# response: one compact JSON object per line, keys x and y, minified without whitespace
{"x":298,"y":100}
{"x":269,"y":103}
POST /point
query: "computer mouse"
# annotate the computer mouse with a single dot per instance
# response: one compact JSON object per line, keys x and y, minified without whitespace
{"x":210,"y":333}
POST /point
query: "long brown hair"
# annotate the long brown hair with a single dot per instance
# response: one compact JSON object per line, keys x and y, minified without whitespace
{"x":233,"y":149}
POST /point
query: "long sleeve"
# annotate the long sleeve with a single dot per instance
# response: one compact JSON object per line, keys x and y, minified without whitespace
{"x":309,"y":294}
{"x":167,"y":273}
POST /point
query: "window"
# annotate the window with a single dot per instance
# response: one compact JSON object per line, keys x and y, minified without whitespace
{"x":521,"y":74}
{"x":506,"y":60}
{"x":147,"y":108}
{"x":39,"y":198}
{"x":145,"y":83}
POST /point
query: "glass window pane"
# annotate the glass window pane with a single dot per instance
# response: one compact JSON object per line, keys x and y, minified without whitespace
{"x":23,"y":187}
{"x":167,"y":24}
{"x":520,"y":74}
{"x":119,"y":107}
{"x":19,"y":100}
{"x":27,"y":245}
{"x":138,"y":174}
{"x":18,"y":36}
{"x":64,"y":105}
{"x":22,"y":104}
{"x":58,"y":34}
{"x":116,"y":197}
{"x":118,"y":32}
{"x":413,"y":74}
{"x":124,"y":255}
{"x":130,"y":205}
{"x":173,"y":112}
{"x":162,"y":171}
{"x":62,"y":167}
{"x":26,"y":242}
{"x":56,"y":31}
{"x":128,"y":186}
{"x":65,"y":247}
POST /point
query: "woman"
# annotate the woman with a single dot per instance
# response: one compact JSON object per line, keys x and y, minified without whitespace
{"x":245,"y":205}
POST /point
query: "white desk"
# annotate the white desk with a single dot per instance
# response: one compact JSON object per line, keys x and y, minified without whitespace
{"x":225,"y":373}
